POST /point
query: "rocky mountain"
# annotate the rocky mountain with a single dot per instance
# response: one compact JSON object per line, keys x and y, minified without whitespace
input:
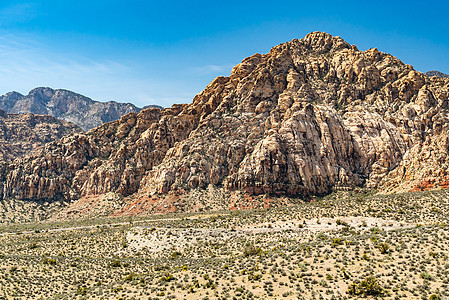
{"x":66,"y":105}
{"x":20,"y":134}
{"x":310,"y":116}
{"x":437,"y":74}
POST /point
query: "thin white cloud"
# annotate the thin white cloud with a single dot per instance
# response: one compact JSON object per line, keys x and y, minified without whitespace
{"x":26,"y":64}
{"x":212,"y":69}
{"x":20,"y":56}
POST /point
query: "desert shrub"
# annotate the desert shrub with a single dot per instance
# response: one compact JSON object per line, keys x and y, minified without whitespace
{"x":426,"y":276}
{"x":251,"y":251}
{"x":256,"y":276}
{"x":81,"y":291}
{"x":49,"y":261}
{"x":130,"y":277}
{"x":341,"y":222}
{"x":209,"y":284}
{"x":383,"y":248}
{"x":175,"y":254}
{"x":33,"y":246}
{"x":115,"y":264}
{"x":160,"y":267}
{"x":167,"y":277}
{"x":337,"y":241}
{"x":369,"y":286}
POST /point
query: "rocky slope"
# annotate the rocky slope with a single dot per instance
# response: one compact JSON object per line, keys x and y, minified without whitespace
{"x":310,"y":116}
{"x":20,"y":134}
{"x":66,"y":105}
{"x":437,"y":74}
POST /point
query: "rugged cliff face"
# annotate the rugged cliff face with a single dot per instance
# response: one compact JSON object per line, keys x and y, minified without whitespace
{"x":21,"y":134}
{"x":66,"y":105}
{"x":312,"y":115}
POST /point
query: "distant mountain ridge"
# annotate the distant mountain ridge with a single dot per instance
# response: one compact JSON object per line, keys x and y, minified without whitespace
{"x":437,"y":74}
{"x":66,"y":105}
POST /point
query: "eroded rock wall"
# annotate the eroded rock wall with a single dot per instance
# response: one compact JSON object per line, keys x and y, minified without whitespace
{"x":312,"y":115}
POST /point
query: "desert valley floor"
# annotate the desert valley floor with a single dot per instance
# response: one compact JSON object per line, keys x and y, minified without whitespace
{"x":345,"y":245}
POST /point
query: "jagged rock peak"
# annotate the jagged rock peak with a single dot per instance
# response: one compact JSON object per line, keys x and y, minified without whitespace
{"x":321,"y":42}
{"x":13,"y":95}
{"x":43,"y":92}
{"x":312,"y":115}
{"x":437,"y":74}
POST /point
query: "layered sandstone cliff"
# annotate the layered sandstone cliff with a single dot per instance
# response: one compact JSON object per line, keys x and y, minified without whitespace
{"x":312,"y":115}
{"x":21,"y":134}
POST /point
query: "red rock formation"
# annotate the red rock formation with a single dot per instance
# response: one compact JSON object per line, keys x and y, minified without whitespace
{"x":312,"y":115}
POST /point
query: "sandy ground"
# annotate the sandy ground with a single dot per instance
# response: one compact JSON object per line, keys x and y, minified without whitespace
{"x":159,"y":239}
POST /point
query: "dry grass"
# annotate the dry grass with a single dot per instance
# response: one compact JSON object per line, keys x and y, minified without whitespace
{"x":344,"y":245}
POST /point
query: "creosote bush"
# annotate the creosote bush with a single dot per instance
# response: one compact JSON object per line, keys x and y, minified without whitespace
{"x":49,"y":261}
{"x":167,"y":277}
{"x":384,"y":248}
{"x":369,"y":286}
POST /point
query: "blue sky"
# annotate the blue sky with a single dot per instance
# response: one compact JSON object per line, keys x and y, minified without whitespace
{"x":156,"y":52}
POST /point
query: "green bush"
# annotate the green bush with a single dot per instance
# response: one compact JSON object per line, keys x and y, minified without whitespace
{"x":167,"y":277}
{"x":49,"y":261}
{"x":426,"y":276}
{"x":384,"y":248}
{"x":369,"y":286}
{"x":337,"y":241}
{"x":115,"y":264}
{"x":81,"y":291}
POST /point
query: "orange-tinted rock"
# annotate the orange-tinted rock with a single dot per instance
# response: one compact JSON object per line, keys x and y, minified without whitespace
{"x":311,"y":116}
